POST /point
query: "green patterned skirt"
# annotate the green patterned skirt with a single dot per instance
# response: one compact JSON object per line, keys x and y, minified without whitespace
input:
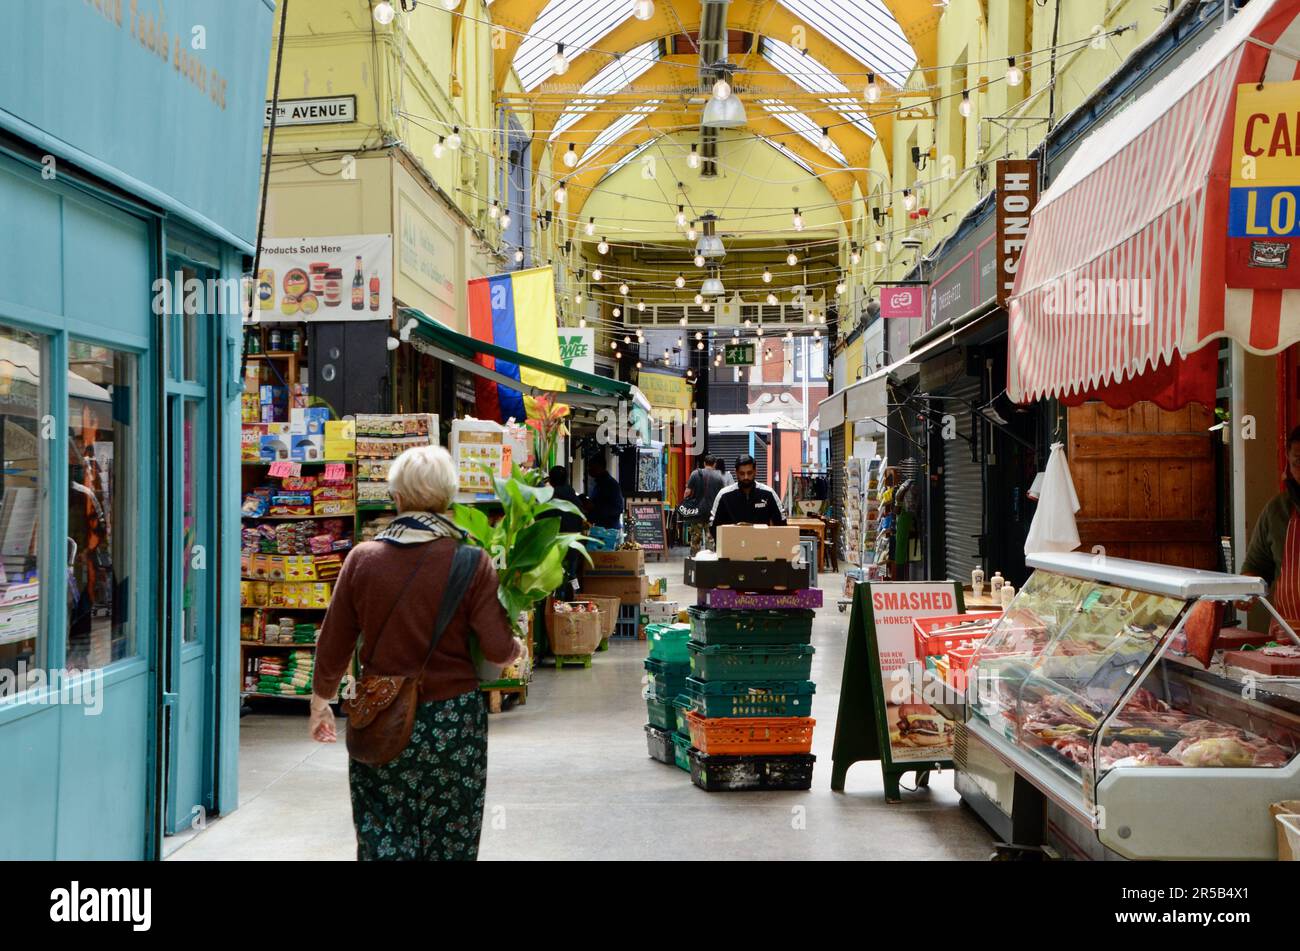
{"x":427,"y":804}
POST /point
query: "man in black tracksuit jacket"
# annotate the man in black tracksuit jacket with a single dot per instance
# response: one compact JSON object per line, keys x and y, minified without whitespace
{"x":747,"y":502}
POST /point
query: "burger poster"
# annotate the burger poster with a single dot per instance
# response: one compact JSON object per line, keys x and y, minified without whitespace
{"x":349,"y":277}
{"x":916,"y":731}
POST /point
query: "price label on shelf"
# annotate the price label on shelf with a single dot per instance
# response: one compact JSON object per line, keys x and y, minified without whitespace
{"x":335,"y":472}
{"x":280,"y":470}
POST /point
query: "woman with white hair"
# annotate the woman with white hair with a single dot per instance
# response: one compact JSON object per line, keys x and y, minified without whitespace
{"x":413,"y":598}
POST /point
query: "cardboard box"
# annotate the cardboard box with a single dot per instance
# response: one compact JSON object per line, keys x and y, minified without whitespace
{"x":1285,"y":851}
{"x":629,"y":589}
{"x":307,"y":448}
{"x":341,"y":440}
{"x":630,"y":561}
{"x":758,"y":542}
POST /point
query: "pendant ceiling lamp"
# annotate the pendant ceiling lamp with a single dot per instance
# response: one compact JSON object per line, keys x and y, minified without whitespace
{"x":712,"y":286}
{"x":709,"y":244}
{"x":727,"y":112}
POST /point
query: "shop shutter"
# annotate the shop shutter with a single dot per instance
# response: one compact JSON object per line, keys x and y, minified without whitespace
{"x":838,"y":477}
{"x":963,"y":486}
{"x":727,"y":446}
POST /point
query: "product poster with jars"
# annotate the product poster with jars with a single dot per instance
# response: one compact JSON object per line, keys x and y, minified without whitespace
{"x":346,"y":277}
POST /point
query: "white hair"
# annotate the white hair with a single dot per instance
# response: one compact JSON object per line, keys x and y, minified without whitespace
{"x":424,"y":479}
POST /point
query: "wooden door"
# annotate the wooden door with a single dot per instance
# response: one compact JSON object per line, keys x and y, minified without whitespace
{"x":1146,"y":482}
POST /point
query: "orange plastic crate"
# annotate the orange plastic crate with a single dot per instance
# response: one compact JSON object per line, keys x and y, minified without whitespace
{"x":750,"y":736}
{"x":928,"y":643}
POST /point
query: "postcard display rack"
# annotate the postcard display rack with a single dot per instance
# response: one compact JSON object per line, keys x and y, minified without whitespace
{"x":854,"y":499}
{"x":306,"y":503}
{"x":1088,"y":722}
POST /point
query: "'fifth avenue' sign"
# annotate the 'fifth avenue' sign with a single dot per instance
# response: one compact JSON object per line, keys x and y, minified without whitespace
{"x":322,"y":110}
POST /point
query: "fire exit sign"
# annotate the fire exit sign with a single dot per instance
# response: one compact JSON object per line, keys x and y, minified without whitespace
{"x":738,"y":355}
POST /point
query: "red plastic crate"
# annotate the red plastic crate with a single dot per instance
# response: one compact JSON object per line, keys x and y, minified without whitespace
{"x":751,"y":736}
{"x":928,"y":643}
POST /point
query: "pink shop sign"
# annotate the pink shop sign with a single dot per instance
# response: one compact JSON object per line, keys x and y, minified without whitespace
{"x":906,"y":302}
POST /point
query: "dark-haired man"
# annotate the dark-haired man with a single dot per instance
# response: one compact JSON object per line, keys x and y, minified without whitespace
{"x":747,"y":502}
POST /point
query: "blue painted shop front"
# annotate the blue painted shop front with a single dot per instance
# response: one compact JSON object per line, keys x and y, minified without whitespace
{"x":119,"y":655}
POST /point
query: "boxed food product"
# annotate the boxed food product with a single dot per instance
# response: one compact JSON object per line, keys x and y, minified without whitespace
{"x":746,"y":575}
{"x":250,"y":441}
{"x":275,"y":443}
{"x":625,"y":561}
{"x":758,"y":542}
{"x":341,"y":440}
{"x":335,"y":507}
{"x":307,"y":448}
{"x":629,"y":589}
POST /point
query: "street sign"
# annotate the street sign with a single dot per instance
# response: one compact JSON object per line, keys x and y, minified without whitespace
{"x":738,"y":355}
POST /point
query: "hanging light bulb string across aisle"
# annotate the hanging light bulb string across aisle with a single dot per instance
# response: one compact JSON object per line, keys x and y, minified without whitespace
{"x":865,"y":72}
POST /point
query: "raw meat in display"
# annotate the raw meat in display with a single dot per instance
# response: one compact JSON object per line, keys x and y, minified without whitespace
{"x":1213,"y":751}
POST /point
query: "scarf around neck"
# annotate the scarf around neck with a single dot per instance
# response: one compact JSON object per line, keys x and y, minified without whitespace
{"x":416,"y":528}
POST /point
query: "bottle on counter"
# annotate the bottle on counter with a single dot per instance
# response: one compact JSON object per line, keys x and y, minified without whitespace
{"x":977,"y":582}
{"x":996,"y":583}
{"x":1006,"y":593}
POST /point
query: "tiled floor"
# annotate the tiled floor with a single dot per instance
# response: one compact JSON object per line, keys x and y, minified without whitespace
{"x":569,"y":779}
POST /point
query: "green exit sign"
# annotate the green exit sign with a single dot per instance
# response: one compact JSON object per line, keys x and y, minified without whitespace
{"x":738,"y":355}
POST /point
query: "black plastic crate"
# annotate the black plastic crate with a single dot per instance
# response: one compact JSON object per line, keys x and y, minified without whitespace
{"x":659,"y":743}
{"x":741,"y":773}
{"x":747,"y":575}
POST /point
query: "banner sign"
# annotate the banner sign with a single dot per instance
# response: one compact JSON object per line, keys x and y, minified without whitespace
{"x":578,"y":348}
{"x":1017,"y":194}
{"x":669,"y":395}
{"x":1264,"y":192}
{"x":902,"y":302}
{"x":348,"y":277}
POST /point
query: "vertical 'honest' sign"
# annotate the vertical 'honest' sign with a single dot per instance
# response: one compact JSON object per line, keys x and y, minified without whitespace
{"x":1017,"y":184}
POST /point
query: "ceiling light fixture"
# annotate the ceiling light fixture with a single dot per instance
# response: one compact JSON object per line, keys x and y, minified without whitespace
{"x":872,"y":92}
{"x":453,"y":140}
{"x":591,"y":227}
{"x":384,"y":13}
{"x":964,"y":107}
{"x":693,"y":160}
{"x":681,"y":280}
{"x":1015,"y":75}
{"x":559,"y":62}
{"x":643,"y":9}
{"x":797,"y":220}
{"x":767,"y":276}
{"x":603,"y":246}
{"x":792,"y":259}
{"x":571,"y":156}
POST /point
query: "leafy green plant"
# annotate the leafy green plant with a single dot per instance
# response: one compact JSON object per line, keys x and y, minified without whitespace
{"x":527,"y":550}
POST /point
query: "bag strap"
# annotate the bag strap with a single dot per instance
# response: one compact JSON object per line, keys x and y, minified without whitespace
{"x":428,"y":547}
{"x":463,"y":565}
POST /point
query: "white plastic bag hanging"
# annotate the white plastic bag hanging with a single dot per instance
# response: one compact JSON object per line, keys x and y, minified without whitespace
{"x":1054,"y":528}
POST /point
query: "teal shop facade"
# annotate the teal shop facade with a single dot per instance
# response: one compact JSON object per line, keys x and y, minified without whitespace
{"x":130,"y":137}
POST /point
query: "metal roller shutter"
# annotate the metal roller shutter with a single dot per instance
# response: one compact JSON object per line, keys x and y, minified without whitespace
{"x":963,"y":486}
{"x":838,"y":479}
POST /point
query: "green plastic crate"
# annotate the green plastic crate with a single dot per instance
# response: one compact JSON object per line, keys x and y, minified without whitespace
{"x":682,"y":751}
{"x":683,"y":706}
{"x":740,"y":662}
{"x":667,"y":680}
{"x":751,"y":698}
{"x":714,"y":626}
{"x":668,"y":642}
{"x":661,"y":713}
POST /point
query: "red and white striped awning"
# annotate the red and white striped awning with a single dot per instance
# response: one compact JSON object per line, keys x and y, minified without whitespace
{"x":1145,"y":200}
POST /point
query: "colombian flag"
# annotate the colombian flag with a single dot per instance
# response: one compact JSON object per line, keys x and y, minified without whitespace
{"x":515,"y":311}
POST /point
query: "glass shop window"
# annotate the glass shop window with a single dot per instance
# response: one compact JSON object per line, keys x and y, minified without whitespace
{"x":23,"y":403}
{"x":100,"y":546}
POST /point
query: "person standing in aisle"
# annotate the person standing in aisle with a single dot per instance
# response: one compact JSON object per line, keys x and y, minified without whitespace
{"x":427,"y":804}
{"x":570,"y":523}
{"x":748,"y":502}
{"x":704,"y":484}
{"x":605,"y":503}
{"x":1274,"y":552}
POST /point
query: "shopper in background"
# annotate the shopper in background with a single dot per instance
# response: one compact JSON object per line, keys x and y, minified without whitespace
{"x":748,"y":502}
{"x":428,"y":802}
{"x":704,"y":485}
{"x":605,"y":501}
{"x":1274,"y":552}
{"x":570,"y":523}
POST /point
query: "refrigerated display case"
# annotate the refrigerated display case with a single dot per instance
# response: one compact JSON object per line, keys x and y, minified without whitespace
{"x":1139,"y":752}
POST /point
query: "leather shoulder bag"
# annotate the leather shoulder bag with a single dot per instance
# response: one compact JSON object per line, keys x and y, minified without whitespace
{"x":382,"y":714}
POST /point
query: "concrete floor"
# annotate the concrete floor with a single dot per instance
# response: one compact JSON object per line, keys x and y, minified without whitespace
{"x":569,"y":778}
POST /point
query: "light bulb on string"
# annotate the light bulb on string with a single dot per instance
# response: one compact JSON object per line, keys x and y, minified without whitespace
{"x":771,"y":300}
{"x":560,"y":194}
{"x":839,"y":288}
{"x":817,"y":334}
{"x":450,"y":5}
{"x":789,"y":335}
{"x":613,"y":344}
{"x":494,"y":211}
{"x":626,"y":340}
{"x":519,"y":256}
{"x":748,"y":322}
{"x":505,"y":218}
{"x":679,"y":342}
{"x":643,"y":9}
{"x":582,"y":323}
{"x":797,"y":220}
{"x":591,"y":227}
{"x":767,"y":276}
{"x":879,"y":246}
{"x":440,"y":147}
{"x":699,"y":335}
{"x":872,"y":92}
{"x":571,"y":156}
{"x":681,"y":280}
{"x":681,"y":216}
{"x":707,"y":306}
{"x":618,"y":312}
{"x":559,"y":62}
{"x":454,"y":140}
{"x":699,"y":346}
{"x":682,"y":322}
{"x":638,"y":364}
{"x":855,"y":256}
{"x":699,"y":299}
{"x":1015,"y":75}
{"x":825,"y":142}
{"x":693,"y":159}
{"x":602,"y":247}
{"x":623,"y":288}
{"x":691,"y":233}
{"x":699,"y":260}
{"x":792,"y":259}
{"x":909,"y":199}
{"x":384,"y":13}
{"x":721,"y":89}
{"x":964,"y":107}
{"x":597,"y":274}
{"x":577,"y":298}
{"x":640,"y":306}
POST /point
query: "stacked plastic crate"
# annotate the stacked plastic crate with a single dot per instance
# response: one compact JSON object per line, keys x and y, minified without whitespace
{"x":667,"y":667}
{"x":750,"y":696}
